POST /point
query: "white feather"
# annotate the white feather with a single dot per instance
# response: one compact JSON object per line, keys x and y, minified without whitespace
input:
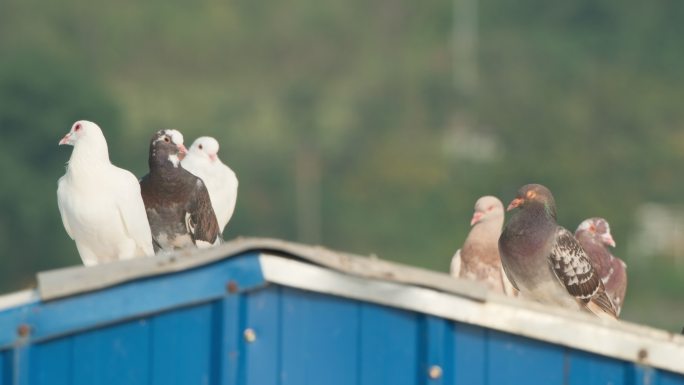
{"x":175,"y":135}
{"x":220,"y":180}
{"x":100,"y":204}
{"x":202,"y":244}
{"x":174,"y":160}
{"x":455,"y":268}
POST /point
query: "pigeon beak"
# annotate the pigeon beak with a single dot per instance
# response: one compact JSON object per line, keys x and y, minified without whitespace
{"x":608,"y":239}
{"x":66,"y":139}
{"x":182,"y":151}
{"x":476,"y":217}
{"x":514,"y":203}
{"x":213,"y":157}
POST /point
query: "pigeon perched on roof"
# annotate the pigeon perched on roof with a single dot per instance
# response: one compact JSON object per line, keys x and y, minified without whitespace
{"x":203,"y":161}
{"x":479,"y":259}
{"x":177,"y":202}
{"x":594,"y":236}
{"x":544,"y":261}
{"x":100,"y":204}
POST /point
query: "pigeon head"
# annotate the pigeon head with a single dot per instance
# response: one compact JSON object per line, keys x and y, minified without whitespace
{"x":599,"y":229}
{"x":485,"y":208}
{"x":205,"y":147}
{"x":82,"y":131}
{"x":167,"y":146}
{"x":534,"y":195}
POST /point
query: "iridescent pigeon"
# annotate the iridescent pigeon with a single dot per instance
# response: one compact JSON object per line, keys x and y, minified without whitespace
{"x":544,"y":261}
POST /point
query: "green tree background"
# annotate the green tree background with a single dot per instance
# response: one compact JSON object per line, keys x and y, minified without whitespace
{"x":367,"y":126}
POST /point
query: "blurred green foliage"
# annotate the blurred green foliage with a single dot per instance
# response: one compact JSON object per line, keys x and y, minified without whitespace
{"x":582,"y":96}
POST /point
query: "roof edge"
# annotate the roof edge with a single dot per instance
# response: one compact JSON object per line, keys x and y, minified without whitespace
{"x":68,"y":281}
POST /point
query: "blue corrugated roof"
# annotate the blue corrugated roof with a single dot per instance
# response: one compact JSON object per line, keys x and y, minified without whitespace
{"x":282,"y":313}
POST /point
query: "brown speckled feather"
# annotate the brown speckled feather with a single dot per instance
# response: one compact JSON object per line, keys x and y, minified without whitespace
{"x":575,"y":271}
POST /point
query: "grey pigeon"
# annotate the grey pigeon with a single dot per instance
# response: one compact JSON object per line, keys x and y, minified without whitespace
{"x":544,"y":261}
{"x":594,"y":236}
{"x":100,"y":204}
{"x":479,"y":259}
{"x":177,"y":202}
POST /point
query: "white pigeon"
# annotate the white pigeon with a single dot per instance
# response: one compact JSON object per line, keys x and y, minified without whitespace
{"x":100,"y":204}
{"x":202,"y":160}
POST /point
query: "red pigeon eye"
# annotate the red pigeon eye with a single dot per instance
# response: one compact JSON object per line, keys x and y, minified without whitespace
{"x":78,"y":127}
{"x":201,"y":147}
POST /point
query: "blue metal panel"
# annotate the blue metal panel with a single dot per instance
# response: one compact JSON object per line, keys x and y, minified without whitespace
{"x":320,"y":339}
{"x":21,"y":363}
{"x":228,"y":318}
{"x":182,"y":339}
{"x":132,"y":299}
{"x":468,"y":365}
{"x":589,"y":369}
{"x":5,"y":369}
{"x":53,"y":362}
{"x":389,"y":341}
{"x":118,"y":354}
{"x":517,"y":360}
{"x":643,"y":375}
{"x":669,"y":378}
{"x":435,"y":350}
{"x":261,"y":312}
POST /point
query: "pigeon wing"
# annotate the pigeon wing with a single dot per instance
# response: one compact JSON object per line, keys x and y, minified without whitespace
{"x":455,"y":268}
{"x":508,"y":286}
{"x":505,"y":274}
{"x":574,"y":270}
{"x":201,"y":221}
{"x":131,"y":208}
{"x":62,"y":196}
{"x":226,"y":198}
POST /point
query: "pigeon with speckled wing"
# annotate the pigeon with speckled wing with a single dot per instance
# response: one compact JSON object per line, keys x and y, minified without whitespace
{"x":544,"y":261}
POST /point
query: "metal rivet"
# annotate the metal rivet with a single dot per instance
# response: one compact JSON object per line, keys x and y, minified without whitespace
{"x":642,"y":354}
{"x":250,"y":335}
{"x":232,"y":287}
{"x":435,"y":372}
{"x":23,"y":330}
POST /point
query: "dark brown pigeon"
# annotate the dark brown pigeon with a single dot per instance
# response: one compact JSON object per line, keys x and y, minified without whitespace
{"x":544,"y":261}
{"x":478,"y":259}
{"x":177,"y":202}
{"x":594,"y":236}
